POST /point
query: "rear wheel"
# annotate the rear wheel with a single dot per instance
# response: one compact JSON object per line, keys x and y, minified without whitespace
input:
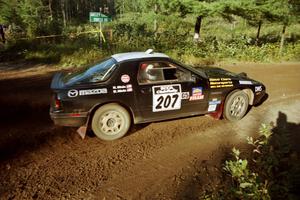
{"x":111,"y":122}
{"x":236,"y":105}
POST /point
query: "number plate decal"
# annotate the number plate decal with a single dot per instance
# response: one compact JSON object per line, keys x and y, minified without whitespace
{"x":166,"y":97}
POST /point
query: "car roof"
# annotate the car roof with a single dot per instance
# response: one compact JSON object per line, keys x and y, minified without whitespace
{"x":136,"y":55}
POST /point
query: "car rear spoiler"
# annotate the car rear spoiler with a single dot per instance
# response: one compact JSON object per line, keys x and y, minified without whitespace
{"x":57,"y":82}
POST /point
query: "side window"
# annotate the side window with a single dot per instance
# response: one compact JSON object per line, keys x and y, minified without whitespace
{"x":151,"y":72}
{"x":182,"y":74}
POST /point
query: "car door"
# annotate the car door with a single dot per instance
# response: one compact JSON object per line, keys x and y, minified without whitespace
{"x":167,"y":90}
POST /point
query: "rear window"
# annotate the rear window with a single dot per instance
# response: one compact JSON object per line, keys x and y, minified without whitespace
{"x":96,"y":73}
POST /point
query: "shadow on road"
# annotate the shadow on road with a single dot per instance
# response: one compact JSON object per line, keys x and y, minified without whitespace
{"x":291,"y":131}
{"x":25,"y":124}
{"x":26,"y":128}
{"x":209,"y":174}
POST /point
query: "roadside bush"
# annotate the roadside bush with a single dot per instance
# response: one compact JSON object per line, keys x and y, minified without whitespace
{"x":245,"y":183}
{"x":267,"y":173}
{"x":273,"y":160}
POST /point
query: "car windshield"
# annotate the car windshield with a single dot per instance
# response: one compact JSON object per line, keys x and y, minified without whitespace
{"x":92,"y":74}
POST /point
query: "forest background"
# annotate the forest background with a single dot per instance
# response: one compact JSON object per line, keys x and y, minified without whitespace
{"x":193,"y":31}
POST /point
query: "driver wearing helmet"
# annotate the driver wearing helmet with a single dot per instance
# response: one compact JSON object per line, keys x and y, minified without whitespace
{"x":150,"y":74}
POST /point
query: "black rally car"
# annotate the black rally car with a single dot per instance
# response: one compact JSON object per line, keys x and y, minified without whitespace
{"x":139,"y":87}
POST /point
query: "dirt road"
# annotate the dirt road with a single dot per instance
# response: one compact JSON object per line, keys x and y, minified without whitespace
{"x":166,"y":160}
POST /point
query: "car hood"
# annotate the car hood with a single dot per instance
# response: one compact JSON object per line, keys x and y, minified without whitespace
{"x":215,"y":72}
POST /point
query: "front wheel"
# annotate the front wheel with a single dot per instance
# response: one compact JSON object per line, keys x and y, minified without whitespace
{"x":236,"y":105}
{"x":111,"y":122}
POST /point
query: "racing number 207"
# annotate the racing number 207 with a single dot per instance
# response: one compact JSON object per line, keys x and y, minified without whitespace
{"x":166,"y":97}
{"x":168,"y":101}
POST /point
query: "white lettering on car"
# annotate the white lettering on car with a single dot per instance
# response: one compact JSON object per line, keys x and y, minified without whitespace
{"x":122,"y":88}
{"x":258,"y":88}
{"x":74,"y":93}
{"x":245,"y":82}
{"x":213,"y":104}
{"x":185,"y":95}
{"x":93,"y":91}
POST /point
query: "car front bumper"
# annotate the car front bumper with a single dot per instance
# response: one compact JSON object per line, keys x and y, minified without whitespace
{"x":69,"y":119}
{"x":260,"y":97}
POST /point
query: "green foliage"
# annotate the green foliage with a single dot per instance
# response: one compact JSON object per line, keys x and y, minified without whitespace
{"x":245,"y":184}
{"x":260,"y":10}
{"x":273,"y":160}
{"x":266,"y":174}
{"x":128,"y":6}
{"x":30,"y":13}
{"x":40,"y":17}
{"x":67,"y":52}
{"x":6,"y":10}
{"x":166,"y":26}
{"x":183,"y":7}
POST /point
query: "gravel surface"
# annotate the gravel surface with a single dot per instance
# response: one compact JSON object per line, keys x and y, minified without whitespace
{"x":165,"y":160}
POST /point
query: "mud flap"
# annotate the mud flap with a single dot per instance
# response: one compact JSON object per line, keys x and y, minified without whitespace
{"x":218,"y":113}
{"x":83,"y":129}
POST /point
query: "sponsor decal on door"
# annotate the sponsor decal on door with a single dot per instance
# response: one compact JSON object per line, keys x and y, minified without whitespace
{"x":166,"y":97}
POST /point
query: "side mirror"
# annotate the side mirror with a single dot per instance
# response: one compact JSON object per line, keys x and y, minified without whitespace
{"x":243,"y":74}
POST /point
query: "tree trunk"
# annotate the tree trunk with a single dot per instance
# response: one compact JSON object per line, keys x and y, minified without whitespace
{"x":258,"y":32}
{"x":67,"y":11}
{"x":198,"y":28}
{"x":62,"y":6}
{"x":155,"y":27}
{"x":282,"y":39}
{"x":50,"y":9}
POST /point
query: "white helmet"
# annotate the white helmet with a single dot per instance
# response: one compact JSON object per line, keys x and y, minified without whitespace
{"x":150,"y":74}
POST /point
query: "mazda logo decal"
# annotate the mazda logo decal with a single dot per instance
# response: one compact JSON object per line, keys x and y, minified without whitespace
{"x":72,"y":93}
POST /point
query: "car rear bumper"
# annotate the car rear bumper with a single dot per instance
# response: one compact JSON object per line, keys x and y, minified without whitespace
{"x":69,"y":119}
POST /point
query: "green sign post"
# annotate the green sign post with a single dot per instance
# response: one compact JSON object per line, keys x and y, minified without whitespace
{"x":99,"y":17}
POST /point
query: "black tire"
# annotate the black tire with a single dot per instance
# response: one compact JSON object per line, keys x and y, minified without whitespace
{"x":111,"y":122}
{"x":236,"y":105}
